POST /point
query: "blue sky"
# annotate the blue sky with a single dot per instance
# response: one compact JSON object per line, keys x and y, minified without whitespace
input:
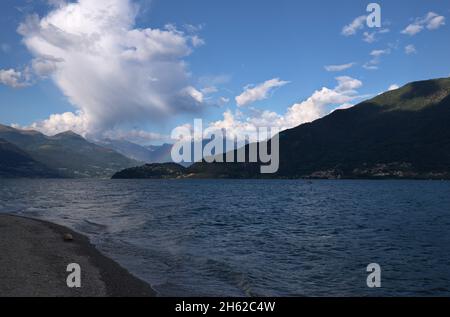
{"x":238,"y":46}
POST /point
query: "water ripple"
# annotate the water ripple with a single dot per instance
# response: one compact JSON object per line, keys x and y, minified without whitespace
{"x":257,"y":238}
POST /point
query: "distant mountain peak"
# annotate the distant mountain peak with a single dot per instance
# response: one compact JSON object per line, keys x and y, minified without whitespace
{"x":68,"y":133}
{"x":147,"y":154}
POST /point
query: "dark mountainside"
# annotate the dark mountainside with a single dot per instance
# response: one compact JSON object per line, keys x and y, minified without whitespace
{"x":153,"y":171}
{"x":68,"y":153}
{"x":403,"y":133}
{"x":16,"y":163}
{"x":128,"y":149}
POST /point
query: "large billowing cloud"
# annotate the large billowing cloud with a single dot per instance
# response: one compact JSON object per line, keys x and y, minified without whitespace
{"x":111,"y":71}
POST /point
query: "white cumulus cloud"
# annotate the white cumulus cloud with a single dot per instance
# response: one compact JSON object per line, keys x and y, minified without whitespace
{"x":57,"y":123}
{"x":259,"y":92}
{"x":319,"y":104}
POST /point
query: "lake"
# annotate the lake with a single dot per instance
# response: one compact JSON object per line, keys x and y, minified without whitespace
{"x":256,"y":237}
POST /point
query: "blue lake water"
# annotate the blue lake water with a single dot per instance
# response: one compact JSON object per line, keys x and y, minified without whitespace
{"x":256,"y":237}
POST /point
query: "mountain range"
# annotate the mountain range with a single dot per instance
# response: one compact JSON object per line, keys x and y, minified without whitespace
{"x":404,"y":133}
{"x":63,"y":155}
{"x":148,"y":154}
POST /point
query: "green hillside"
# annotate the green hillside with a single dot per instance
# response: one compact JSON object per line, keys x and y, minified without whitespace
{"x":68,"y":153}
{"x":15,"y":163}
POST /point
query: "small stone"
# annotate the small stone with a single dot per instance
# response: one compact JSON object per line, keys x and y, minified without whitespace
{"x":68,"y":237}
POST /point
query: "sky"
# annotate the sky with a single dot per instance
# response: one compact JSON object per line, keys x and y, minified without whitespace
{"x":136,"y":70}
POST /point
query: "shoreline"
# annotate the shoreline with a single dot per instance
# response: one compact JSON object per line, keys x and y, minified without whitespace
{"x":34,"y":258}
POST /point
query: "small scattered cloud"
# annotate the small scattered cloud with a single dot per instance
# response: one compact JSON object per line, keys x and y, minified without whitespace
{"x":195,"y":94}
{"x":260,"y":92}
{"x":432,"y":21}
{"x":371,"y":37}
{"x":376,"y":55}
{"x":13,"y":78}
{"x":410,"y":49}
{"x":412,"y":29}
{"x":339,"y":68}
{"x":435,"y":21}
{"x":356,"y":25}
{"x":359,"y":24}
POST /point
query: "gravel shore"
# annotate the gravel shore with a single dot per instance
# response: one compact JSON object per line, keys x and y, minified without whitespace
{"x":34,"y":257}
